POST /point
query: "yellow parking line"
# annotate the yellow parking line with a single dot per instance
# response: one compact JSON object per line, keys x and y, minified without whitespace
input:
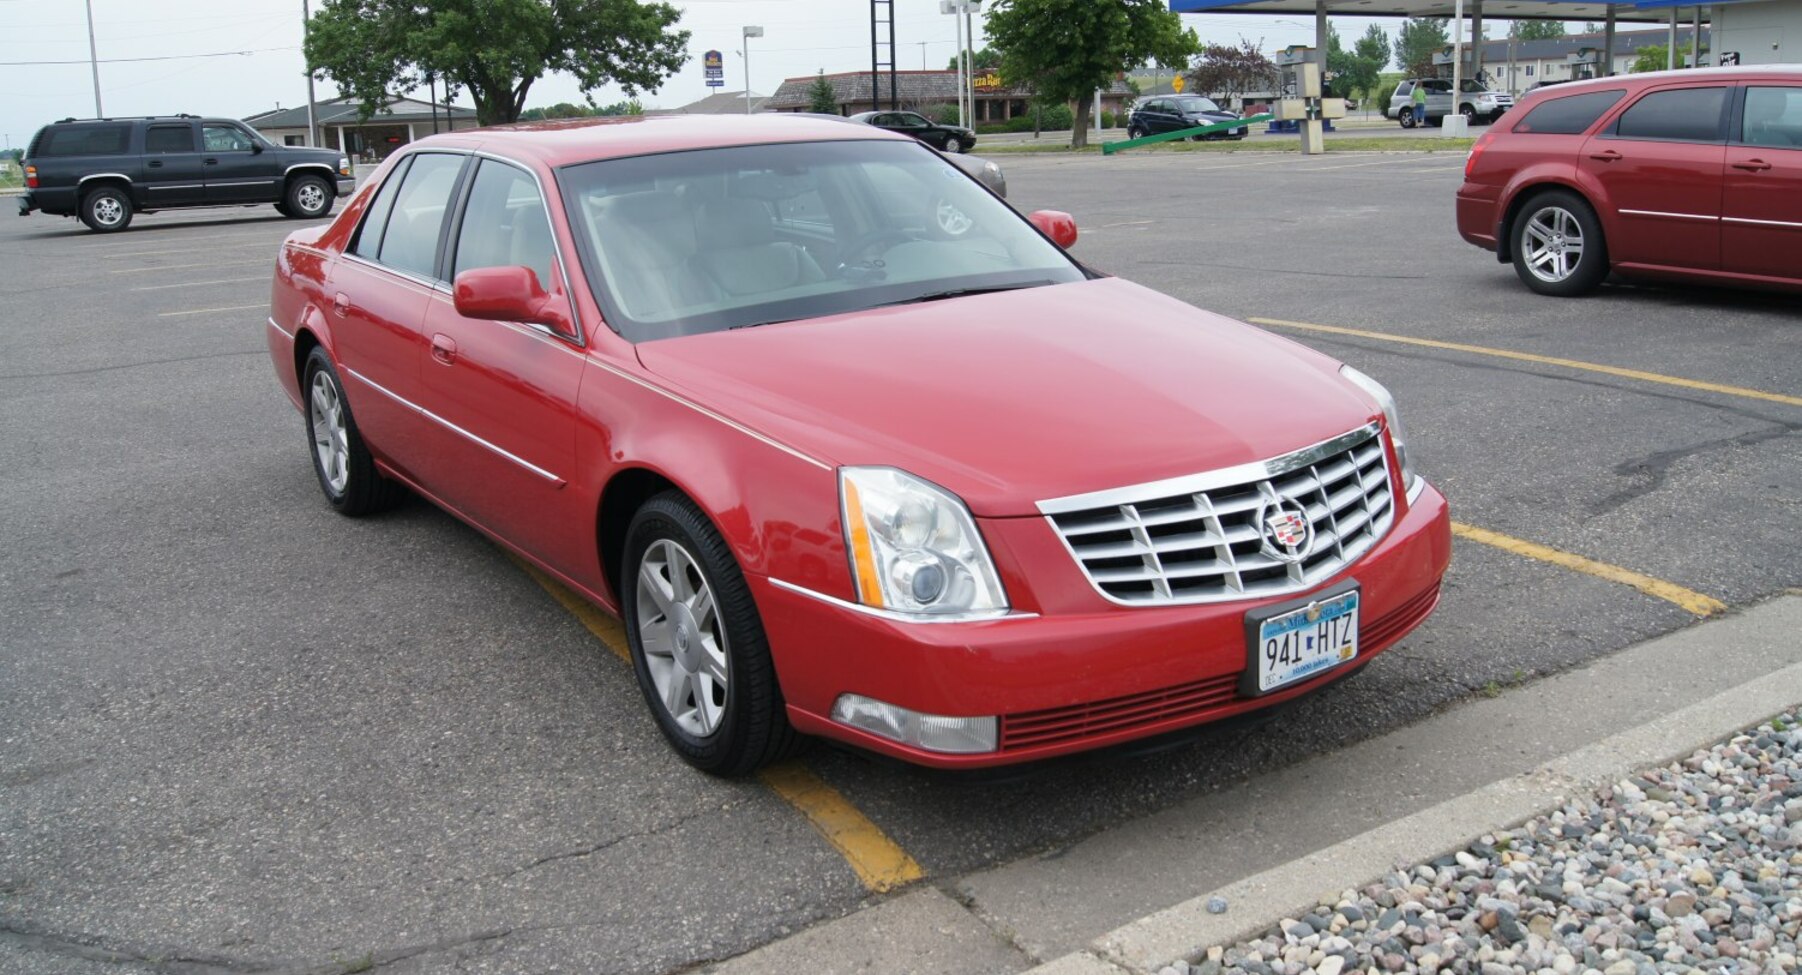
{"x":1546,"y":360}
{"x":608,"y":630}
{"x":1690,"y":600}
{"x":876,"y":859}
{"x":196,"y":284}
{"x":270,"y":261}
{"x":208,"y":311}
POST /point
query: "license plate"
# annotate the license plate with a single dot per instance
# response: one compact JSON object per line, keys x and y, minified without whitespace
{"x":1292,"y":645}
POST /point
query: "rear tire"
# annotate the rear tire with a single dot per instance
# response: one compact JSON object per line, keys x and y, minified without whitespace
{"x":346,"y":472}
{"x":1407,"y":118}
{"x":308,"y":198}
{"x":106,"y":209}
{"x":1557,"y":245}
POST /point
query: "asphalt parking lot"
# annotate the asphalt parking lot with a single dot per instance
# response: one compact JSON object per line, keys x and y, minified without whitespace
{"x":240,"y":733}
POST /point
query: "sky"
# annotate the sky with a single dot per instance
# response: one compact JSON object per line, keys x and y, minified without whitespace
{"x":151,"y":65}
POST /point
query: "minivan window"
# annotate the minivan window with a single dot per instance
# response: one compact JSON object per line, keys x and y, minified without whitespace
{"x":1773,"y":117}
{"x":169,"y":138}
{"x":1680,"y":114}
{"x":83,"y":140}
{"x":411,"y":240}
{"x":1570,"y":115}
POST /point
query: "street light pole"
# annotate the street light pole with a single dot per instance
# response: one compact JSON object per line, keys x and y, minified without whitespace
{"x":94,"y":61}
{"x":750,"y":32}
{"x":306,"y":16}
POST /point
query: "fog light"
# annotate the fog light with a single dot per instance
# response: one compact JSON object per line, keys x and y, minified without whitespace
{"x":931,"y":732}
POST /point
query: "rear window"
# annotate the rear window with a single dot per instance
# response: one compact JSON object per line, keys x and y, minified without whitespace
{"x":83,"y":140}
{"x":1570,"y":115}
{"x":1681,"y":114}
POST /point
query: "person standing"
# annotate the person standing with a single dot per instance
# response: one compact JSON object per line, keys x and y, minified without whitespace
{"x":1420,"y":104}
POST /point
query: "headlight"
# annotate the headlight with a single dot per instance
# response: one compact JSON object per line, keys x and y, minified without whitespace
{"x":914,"y":547}
{"x":344,"y":165}
{"x":1392,"y":419}
{"x":991,"y":169}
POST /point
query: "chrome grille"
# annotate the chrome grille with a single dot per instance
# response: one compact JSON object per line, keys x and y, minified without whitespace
{"x":1199,"y":538}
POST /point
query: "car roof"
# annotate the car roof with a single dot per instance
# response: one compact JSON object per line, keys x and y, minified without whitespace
{"x":562,"y":142}
{"x":1731,"y":75}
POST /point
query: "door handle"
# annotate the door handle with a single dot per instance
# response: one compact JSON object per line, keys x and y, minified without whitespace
{"x":212,"y":162}
{"x":1752,"y":165}
{"x":341,"y":304}
{"x":444,"y":349}
{"x":155,"y":164}
{"x":1606,"y":155}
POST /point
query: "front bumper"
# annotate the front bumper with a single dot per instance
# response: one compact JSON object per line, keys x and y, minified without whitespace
{"x":346,"y":186}
{"x":1067,"y":682}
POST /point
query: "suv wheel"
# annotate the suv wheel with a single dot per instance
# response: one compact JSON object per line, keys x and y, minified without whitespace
{"x":1407,"y":118}
{"x":1557,"y":245}
{"x":308,"y":197}
{"x":106,"y":209}
{"x":1135,"y":132}
{"x":1469,"y":112}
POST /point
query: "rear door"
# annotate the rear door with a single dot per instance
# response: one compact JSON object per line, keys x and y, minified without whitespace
{"x":174,"y":171}
{"x":1761,"y":199}
{"x":238,"y":169}
{"x":1656,"y":169}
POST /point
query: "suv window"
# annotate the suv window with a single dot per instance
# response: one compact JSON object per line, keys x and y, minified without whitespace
{"x":169,"y":138}
{"x":1405,"y":88}
{"x":1683,"y":114}
{"x":224,"y":138}
{"x":83,"y":140}
{"x":1773,"y":117}
{"x":1571,"y":115}
{"x":504,"y":223}
{"x":410,"y":242}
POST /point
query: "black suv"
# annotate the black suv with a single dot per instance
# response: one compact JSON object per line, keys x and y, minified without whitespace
{"x":104,"y":170}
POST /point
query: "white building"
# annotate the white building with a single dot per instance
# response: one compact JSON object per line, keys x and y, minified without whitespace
{"x":1759,"y":31}
{"x":1518,"y":66}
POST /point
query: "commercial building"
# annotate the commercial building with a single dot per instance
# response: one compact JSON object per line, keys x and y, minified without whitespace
{"x":397,"y":122}
{"x":1517,"y":66}
{"x":923,"y":90}
{"x":1758,"y":31}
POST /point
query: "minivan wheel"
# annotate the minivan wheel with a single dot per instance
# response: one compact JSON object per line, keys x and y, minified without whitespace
{"x":106,"y":209}
{"x":1407,"y":118}
{"x":308,"y":198}
{"x":1557,"y":245}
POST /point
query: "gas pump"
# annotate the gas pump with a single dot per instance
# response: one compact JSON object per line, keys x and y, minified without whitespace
{"x":1301,"y":107}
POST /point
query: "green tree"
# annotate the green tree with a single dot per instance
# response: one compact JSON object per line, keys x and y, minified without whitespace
{"x":1374,"y":47}
{"x":1232,"y":71}
{"x":984,"y":60}
{"x":494,"y":48}
{"x":1355,"y":71}
{"x":820,"y":96}
{"x":1419,"y":39}
{"x":1068,"y":49}
{"x":1538,"y":30}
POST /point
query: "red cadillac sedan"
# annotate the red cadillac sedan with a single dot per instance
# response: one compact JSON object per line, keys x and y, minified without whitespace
{"x":1682,"y":175}
{"x":947,"y":495}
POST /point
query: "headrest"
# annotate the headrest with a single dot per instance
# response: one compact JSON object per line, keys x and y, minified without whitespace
{"x":657,"y":215}
{"x":735,"y":222}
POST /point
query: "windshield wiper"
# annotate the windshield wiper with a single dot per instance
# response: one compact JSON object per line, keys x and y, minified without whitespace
{"x":961,"y":292}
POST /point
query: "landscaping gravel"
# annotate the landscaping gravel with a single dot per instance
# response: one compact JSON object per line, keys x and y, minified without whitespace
{"x":1694,"y":867}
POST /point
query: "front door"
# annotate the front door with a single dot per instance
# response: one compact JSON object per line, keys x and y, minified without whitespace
{"x":1658,"y":166}
{"x":504,"y":393}
{"x":174,"y":171}
{"x":1761,"y":202}
{"x":238,"y":170}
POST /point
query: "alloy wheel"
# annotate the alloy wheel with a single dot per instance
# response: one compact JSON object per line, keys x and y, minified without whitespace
{"x":331,"y":435}
{"x":1553,"y":240}
{"x":683,"y":637}
{"x":311,"y":198}
{"x":108,"y":210}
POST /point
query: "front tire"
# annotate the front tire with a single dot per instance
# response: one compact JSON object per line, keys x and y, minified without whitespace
{"x":308,"y":198}
{"x":1407,"y":118}
{"x":1557,"y":245}
{"x":346,"y":471}
{"x":954,"y":144}
{"x":106,"y":210}
{"x":1134,"y":132}
{"x":698,"y":646}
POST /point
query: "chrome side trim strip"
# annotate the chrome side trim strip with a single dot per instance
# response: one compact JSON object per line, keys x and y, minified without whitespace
{"x":427,"y":285}
{"x":1209,"y":480}
{"x":452,"y":427}
{"x":1671,"y":216}
{"x":698,"y":408}
{"x":284,"y":331}
{"x":174,"y":186}
{"x":1763,"y":223}
{"x":102,"y":175}
{"x":986,"y":616}
{"x":310,"y":165}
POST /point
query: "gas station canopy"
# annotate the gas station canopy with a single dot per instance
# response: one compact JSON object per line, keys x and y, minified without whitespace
{"x":1645,"y":11}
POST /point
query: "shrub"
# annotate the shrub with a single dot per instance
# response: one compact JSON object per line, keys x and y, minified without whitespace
{"x":944,"y":113}
{"x":1380,"y":101}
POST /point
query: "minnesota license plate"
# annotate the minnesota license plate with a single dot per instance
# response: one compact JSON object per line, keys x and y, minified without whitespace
{"x":1292,"y":645}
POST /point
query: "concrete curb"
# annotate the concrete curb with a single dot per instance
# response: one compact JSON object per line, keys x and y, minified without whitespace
{"x":1185,"y":931}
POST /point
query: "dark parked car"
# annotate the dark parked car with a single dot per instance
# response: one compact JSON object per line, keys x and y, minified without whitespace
{"x":104,"y":170}
{"x":1168,"y":113}
{"x":1684,"y":175}
{"x":951,"y":138}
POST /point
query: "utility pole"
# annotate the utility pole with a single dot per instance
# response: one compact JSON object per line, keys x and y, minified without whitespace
{"x":750,"y":32}
{"x":94,"y":61}
{"x":951,"y":8}
{"x":306,"y":17}
{"x":970,"y":60}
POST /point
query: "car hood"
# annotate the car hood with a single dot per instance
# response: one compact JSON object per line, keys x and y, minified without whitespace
{"x":1011,"y":398}
{"x":1214,"y":116}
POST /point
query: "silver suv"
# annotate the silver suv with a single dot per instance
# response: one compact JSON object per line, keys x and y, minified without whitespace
{"x":1475,"y":103}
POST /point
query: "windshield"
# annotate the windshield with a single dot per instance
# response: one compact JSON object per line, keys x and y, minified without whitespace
{"x":687,"y":242}
{"x":1470,"y":85}
{"x":1195,"y":103}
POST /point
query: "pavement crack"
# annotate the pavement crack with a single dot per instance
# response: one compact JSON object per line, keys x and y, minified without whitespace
{"x":94,"y":948}
{"x":129,"y":365}
{"x":1653,"y":470}
{"x":588,"y":851}
{"x":375,"y":961}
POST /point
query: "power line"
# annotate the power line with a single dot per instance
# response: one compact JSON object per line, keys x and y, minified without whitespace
{"x":165,"y":57}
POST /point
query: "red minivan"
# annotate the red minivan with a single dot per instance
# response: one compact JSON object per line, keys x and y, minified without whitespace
{"x":1689,"y":175}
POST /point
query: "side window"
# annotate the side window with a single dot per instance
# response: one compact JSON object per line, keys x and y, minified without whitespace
{"x":83,"y":140}
{"x":1405,"y":88}
{"x":504,"y":223}
{"x":1568,"y":116}
{"x":1773,"y":117}
{"x":368,"y":244}
{"x":169,"y":138}
{"x":224,"y":138}
{"x":1682,"y":114}
{"x":411,"y":241}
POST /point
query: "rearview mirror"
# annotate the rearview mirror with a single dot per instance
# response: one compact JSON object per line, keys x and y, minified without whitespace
{"x":507,"y":294}
{"x":1056,"y":224}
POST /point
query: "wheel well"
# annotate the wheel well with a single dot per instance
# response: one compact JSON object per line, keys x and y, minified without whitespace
{"x":319,"y":171}
{"x":625,"y":494}
{"x":1504,"y":241}
{"x":304,"y":343}
{"x":114,"y":181}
